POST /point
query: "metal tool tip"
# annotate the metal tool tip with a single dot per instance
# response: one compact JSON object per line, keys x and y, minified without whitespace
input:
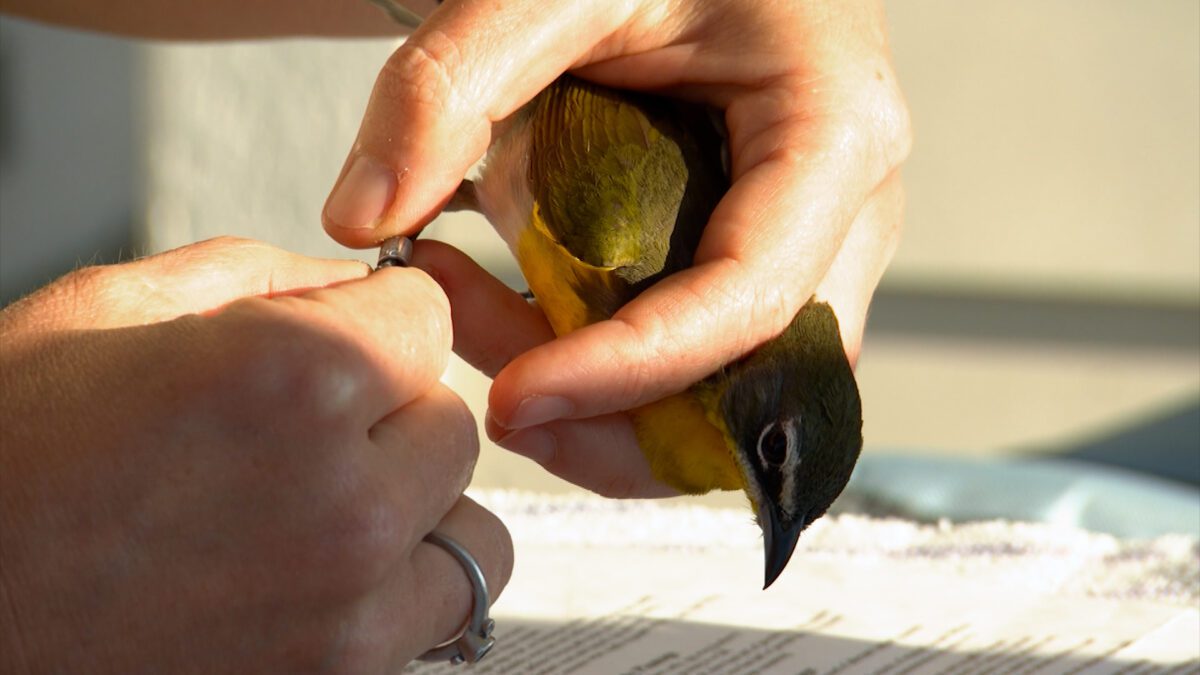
{"x":395,"y":252}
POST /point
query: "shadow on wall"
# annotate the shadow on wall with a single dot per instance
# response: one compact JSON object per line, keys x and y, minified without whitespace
{"x":1037,"y":320}
{"x":68,"y":154}
{"x":1166,"y":445}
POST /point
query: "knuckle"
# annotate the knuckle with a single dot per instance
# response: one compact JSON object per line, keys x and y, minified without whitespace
{"x":227,"y":242}
{"x":902,"y":130}
{"x":86,"y":278}
{"x":297,"y":374}
{"x":714,"y":302}
{"x":619,"y":485}
{"x":458,"y":434}
{"x":457,"y":413}
{"x":893,"y":218}
{"x":420,"y":72}
{"x":348,"y":529}
{"x":895,"y":123}
{"x":103,"y":295}
{"x":637,"y":369}
{"x":431,"y":300}
{"x":466,"y":429}
{"x":423,"y":303}
{"x":662,"y":337}
{"x":92,"y":284}
{"x":770,"y":311}
{"x":414,"y":299}
{"x":499,"y":564}
{"x":224,"y":251}
{"x":220,"y":257}
{"x":488,"y":355}
{"x":882,"y":112}
{"x":361,"y":534}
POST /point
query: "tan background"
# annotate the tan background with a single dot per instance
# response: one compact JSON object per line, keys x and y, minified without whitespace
{"x":1046,"y":291}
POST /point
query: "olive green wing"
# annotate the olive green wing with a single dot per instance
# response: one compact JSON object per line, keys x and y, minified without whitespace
{"x":624,"y":181}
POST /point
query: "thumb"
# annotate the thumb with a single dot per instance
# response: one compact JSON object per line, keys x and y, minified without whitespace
{"x":192,"y":279}
{"x":471,"y":64}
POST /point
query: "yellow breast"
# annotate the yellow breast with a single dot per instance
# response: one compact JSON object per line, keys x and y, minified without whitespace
{"x":677,"y":434}
{"x":685,"y":451}
{"x":556,"y":277}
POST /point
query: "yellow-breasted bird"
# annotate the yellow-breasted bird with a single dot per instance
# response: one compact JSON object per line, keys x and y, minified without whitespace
{"x":600,"y":193}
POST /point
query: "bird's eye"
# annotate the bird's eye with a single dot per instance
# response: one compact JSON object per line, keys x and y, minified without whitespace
{"x":774,"y":443}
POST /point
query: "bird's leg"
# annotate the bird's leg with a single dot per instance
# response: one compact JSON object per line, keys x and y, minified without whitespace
{"x":464,"y":198}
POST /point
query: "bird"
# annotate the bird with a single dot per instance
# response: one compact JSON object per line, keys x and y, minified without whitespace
{"x":600,"y":193}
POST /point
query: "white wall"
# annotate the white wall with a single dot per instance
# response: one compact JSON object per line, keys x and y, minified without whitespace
{"x":247,"y":138}
{"x":1058,"y":146}
{"x":68,"y":180}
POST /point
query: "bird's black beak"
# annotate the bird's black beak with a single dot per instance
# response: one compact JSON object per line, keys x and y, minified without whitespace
{"x":778,"y":539}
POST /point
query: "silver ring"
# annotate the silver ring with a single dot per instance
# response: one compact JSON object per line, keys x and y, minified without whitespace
{"x":476,"y":639}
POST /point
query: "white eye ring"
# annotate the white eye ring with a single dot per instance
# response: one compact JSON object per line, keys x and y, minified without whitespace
{"x":791,"y":456}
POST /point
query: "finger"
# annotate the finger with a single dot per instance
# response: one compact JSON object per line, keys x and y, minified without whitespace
{"x":428,"y":450}
{"x":192,"y":279}
{"x":434,"y":600}
{"x":431,"y":112}
{"x":600,"y":454}
{"x":767,"y":245}
{"x":862,"y":260}
{"x":345,"y":355}
{"x":492,"y":323}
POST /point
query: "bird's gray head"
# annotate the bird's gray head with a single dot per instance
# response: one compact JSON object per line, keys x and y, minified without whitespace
{"x":793,"y":413}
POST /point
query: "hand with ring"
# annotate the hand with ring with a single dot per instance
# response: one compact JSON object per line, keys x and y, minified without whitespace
{"x":226,"y":458}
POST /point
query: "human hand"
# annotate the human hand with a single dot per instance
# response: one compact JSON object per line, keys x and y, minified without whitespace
{"x":224,"y":458}
{"x":817,"y":131}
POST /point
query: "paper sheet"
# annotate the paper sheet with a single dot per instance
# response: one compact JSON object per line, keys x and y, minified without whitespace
{"x":604,"y":587}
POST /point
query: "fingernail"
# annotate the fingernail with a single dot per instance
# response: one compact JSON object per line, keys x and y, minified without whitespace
{"x":363,"y":196}
{"x":537,"y":444}
{"x":494,"y":430}
{"x":539,"y":410}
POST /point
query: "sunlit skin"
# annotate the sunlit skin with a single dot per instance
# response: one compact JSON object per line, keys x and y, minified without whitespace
{"x":226,"y":440}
